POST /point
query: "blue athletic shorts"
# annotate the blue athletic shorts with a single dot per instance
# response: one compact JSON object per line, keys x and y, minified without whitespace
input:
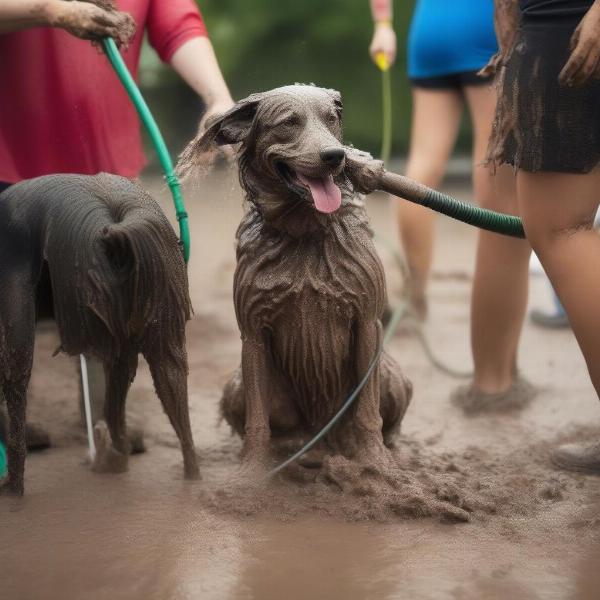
{"x":448,"y":38}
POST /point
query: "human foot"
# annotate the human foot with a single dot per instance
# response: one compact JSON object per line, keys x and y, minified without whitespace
{"x":473,"y":401}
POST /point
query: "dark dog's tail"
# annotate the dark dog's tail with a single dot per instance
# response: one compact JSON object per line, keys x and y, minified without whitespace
{"x":131,"y":278}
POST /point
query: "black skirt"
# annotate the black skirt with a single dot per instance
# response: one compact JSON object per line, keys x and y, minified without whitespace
{"x":541,"y":125}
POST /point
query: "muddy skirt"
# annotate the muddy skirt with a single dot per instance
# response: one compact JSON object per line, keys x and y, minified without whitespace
{"x":541,"y":125}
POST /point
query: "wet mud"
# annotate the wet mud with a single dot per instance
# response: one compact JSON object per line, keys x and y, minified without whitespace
{"x":466,"y":507}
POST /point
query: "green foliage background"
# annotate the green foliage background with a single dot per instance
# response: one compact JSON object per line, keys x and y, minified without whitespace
{"x":262,"y":44}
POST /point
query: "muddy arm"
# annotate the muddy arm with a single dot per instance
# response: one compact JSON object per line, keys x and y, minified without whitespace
{"x":255,"y":374}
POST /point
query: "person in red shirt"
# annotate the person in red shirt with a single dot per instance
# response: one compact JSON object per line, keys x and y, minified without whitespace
{"x":62,"y":108}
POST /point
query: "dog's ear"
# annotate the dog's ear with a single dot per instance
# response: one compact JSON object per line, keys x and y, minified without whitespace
{"x":230,"y":128}
{"x":337,"y":102}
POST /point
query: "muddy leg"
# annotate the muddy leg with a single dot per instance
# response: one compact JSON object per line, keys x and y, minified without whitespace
{"x":17,"y":331}
{"x":170,"y":381}
{"x":257,"y":390}
{"x":284,"y":419}
{"x":111,"y":455}
{"x":367,"y":423}
{"x":233,"y":405}
{"x":395,"y":396}
{"x":16,"y":400}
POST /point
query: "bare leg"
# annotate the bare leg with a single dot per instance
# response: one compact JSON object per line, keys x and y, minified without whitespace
{"x":558,"y":214}
{"x":170,"y":381}
{"x":435,"y":121}
{"x":500,"y":286}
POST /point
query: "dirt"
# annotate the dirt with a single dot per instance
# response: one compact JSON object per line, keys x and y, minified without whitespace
{"x":508,"y":526}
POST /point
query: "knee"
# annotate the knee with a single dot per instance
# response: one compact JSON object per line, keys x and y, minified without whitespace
{"x":426,"y":170}
{"x":546,"y":237}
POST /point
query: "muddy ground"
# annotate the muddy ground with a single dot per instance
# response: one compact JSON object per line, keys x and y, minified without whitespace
{"x":533,"y":532}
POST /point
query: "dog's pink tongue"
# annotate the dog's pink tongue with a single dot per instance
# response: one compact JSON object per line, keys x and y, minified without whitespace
{"x":327,"y":195}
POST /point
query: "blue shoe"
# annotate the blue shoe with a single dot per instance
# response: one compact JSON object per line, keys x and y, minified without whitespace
{"x":549,"y":320}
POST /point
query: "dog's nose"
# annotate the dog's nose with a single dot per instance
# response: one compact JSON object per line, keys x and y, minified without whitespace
{"x":333,"y":155}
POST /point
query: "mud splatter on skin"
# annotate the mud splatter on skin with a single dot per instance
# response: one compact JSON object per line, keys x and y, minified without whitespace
{"x":95,"y":22}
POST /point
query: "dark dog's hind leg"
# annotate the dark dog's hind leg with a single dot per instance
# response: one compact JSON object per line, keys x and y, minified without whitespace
{"x":112,"y":453}
{"x":16,"y":400}
{"x":17,"y":330}
{"x":170,"y":381}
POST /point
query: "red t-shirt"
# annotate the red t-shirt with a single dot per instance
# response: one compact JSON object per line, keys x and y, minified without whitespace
{"x":62,"y":108}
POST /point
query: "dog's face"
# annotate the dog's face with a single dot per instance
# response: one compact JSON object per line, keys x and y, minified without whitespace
{"x":290,"y":144}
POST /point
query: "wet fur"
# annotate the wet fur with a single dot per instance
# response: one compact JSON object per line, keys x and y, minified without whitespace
{"x":309,"y":288}
{"x":101,"y":255}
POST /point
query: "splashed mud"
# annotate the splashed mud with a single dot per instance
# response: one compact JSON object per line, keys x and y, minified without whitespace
{"x":525,"y":530}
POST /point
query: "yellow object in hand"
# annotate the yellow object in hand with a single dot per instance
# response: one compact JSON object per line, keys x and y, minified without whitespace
{"x":381,"y":61}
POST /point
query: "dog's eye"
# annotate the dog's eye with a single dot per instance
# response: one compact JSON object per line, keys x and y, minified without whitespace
{"x":331,"y":118}
{"x":291,"y":121}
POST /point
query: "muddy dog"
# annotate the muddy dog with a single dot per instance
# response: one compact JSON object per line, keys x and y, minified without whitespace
{"x":309,"y":288}
{"x":118,"y":285}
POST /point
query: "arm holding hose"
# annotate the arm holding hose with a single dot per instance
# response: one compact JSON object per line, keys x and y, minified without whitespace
{"x":384,"y":36}
{"x":196,"y":63}
{"x":86,"y":20}
{"x":177,"y":32}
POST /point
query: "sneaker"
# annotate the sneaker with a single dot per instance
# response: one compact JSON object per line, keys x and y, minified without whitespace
{"x":549,"y":320}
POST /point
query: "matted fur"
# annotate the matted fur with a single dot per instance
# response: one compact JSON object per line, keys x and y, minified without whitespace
{"x":118,"y":287}
{"x":309,"y":288}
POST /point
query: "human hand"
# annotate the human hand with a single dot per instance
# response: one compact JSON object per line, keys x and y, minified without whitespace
{"x":384,"y":42}
{"x":584,"y":61}
{"x":92,"y":20}
{"x":216,"y":108}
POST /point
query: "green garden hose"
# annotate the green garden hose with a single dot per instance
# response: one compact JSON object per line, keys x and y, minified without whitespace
{"x":116,"y":60}
{"x":419,"y":194}
{"x":389,"y":332}
{"x":482,"y":218}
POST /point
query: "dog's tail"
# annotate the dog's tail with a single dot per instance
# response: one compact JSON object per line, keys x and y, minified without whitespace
{"x":149,"y":281}
{"x":125,"y":281}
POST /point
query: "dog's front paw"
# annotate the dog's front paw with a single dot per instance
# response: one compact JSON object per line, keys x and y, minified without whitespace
{"x":107,"y":458}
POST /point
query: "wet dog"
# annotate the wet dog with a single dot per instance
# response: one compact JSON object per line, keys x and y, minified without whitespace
{"x":309,"y":288}
{"x":104,"y":253}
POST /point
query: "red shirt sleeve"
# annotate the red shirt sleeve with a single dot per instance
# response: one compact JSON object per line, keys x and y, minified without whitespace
{"x":171,"y":23}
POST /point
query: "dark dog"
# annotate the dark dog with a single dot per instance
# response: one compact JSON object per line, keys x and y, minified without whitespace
{"x":118,"y":287}
{"x":309,"y":288}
